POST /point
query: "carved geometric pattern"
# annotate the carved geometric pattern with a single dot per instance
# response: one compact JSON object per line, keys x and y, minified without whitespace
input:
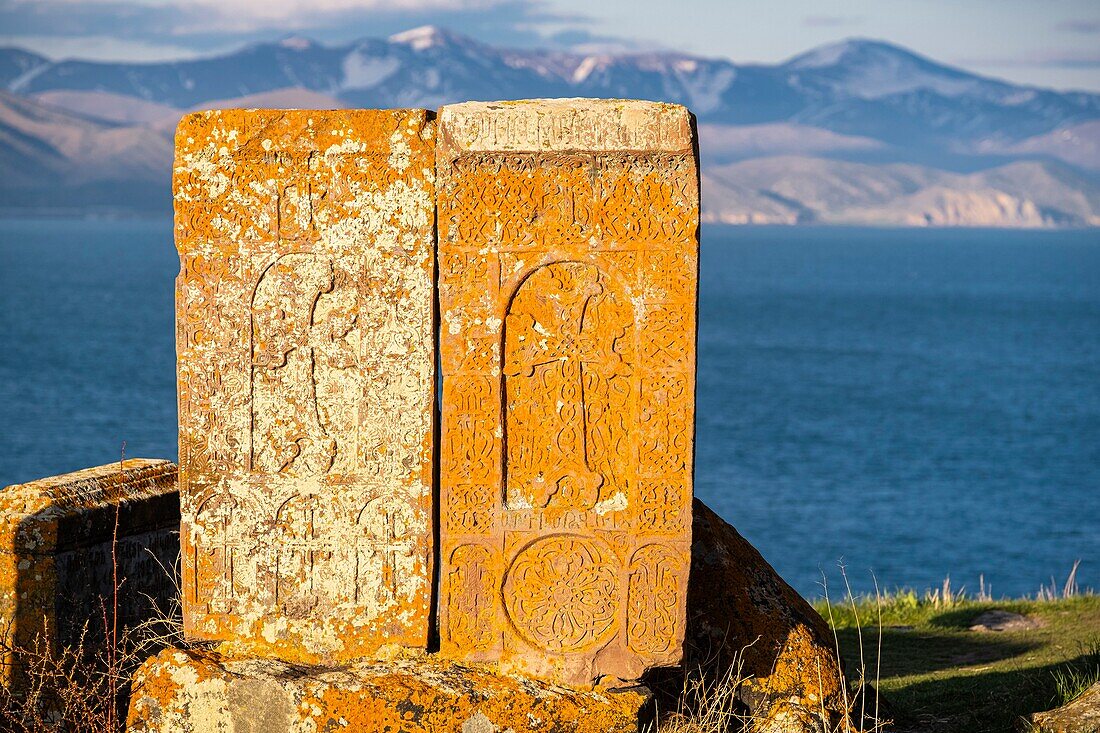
{"x":562,"y":593}
{"x":568,"y":256}
{"x":470,"y":508}
{"x":657,"y":580}
{"x":471,"y":597}
{"x":662,"y":505}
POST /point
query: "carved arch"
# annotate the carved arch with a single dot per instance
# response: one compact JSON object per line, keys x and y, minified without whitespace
{"x":568,"y":352}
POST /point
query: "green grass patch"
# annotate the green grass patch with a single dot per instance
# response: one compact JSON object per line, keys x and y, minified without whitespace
{"x":939,"y":677}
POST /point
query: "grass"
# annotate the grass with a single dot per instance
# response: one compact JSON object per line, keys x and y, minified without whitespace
{"x":1073,"y":681}
{"x":706,"y":705}
{"x":937,"y":676}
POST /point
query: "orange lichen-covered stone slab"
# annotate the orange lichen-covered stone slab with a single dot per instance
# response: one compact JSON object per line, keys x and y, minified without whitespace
{"x":188,"y":692}
{"x":304,"y":314}
{"x":568,"y":256}
{"x":58,"y":554}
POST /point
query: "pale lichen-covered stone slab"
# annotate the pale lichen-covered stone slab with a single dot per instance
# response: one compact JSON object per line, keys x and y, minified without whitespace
{"x":306,"y":378}
{"x":58,"y":559}
{"x":181,"y":691}
{"x":568,"y":255}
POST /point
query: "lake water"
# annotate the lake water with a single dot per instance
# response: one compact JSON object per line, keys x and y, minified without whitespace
{"x":916,"y":403}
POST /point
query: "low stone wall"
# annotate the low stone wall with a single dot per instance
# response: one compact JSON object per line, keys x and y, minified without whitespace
{"x":59,"y":564}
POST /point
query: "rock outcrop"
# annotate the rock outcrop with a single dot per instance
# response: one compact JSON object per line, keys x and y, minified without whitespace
{"x":1080,"y":715}
{"x":740,"y":612}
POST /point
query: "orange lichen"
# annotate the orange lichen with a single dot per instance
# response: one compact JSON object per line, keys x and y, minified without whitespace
{"x":568,"y":250}
{"x":306,"y":378}
{"x":192,"y":692}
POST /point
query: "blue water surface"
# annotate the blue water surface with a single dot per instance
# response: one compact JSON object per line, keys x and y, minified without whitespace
{"x":916,"y":403}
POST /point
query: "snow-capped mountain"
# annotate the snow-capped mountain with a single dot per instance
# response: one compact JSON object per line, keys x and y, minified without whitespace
{"x":858,"y":101}
{"x":857,"y":87}
{"x":879,"y":90}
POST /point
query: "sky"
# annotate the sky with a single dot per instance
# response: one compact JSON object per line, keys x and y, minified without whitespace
{"x":1052,"y":43}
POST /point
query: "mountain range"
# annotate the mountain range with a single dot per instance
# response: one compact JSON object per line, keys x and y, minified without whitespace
{"x":855,"y":132}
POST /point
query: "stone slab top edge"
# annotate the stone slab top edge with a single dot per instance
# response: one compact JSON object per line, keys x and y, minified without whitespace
{"x":555,"y":125}
{"x":563,"y":125}
{"x":231,"y":127}
{"x":578,"y":104}
{"x":275,"y":113}
{"x":134,"y":479}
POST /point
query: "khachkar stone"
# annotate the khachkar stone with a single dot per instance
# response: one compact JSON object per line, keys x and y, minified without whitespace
{"x":568,"y":255}
{"x":62,"y":555}
{"x":306,"y":378}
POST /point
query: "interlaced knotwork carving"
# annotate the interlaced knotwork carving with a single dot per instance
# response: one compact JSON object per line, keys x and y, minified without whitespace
{"x":562,"y":593}
{"x":567,"y":290}
{"x":565,"y":338}
{"x":472,"y":591}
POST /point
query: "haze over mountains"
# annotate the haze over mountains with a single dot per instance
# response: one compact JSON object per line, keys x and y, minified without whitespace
{"x":856,"y":132}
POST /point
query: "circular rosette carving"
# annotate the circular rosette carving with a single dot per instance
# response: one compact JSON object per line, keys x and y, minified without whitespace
{"x":562,"y":593}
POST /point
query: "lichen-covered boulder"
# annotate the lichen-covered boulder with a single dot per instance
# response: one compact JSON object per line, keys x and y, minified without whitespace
{"x":1080,"y":715}
{"x":187,"y":691}
{"x":741,"y":612}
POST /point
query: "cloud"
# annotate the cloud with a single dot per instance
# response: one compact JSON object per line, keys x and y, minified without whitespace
{"x":579,"y":40}
{"x":1079,"y":26}
{"x":244,"y":16}
{"x":218,"y":24}
{"x":102,"y":48}
{"x":830,"y":21}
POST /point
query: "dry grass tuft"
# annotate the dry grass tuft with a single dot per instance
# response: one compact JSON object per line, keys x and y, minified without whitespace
{"x":81,"y":688}
{"x":1077,"y":677}
{"x":84,"y":687}
{"x":1069,"y":588}
{"x":708,"y":704}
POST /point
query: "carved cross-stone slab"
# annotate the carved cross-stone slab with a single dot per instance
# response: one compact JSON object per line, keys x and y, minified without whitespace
{"x":568,"y":255}
{"x":304,"y":312}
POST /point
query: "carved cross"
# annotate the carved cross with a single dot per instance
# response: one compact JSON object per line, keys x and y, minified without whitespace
{"x":391,"y":543}
{"x":473,"y":589}
{"x":559,"y":319}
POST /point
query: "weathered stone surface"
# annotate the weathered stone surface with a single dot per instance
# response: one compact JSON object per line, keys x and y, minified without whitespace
{"x":1081,"y":715}
{"x":1000,"y":620}
{"x":56,"y":569}
{"x":568,"y":249}
{"x":739,"y":608}
{"x":306,"y":378}
{"x":189,"y":692}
